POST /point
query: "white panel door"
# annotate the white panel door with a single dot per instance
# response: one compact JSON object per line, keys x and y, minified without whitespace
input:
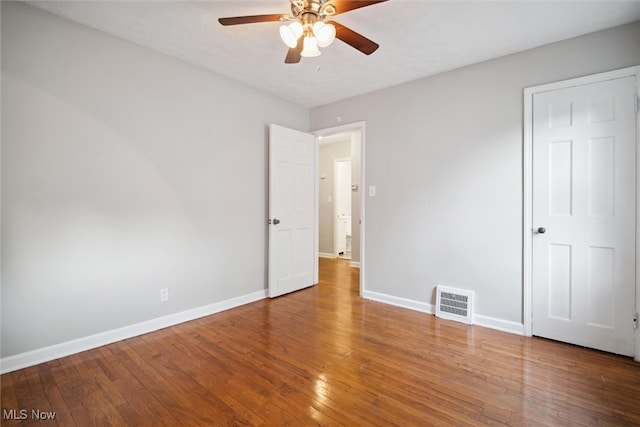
{"x":342,"y":204}
{"x":584,"y":215}
{"x":292,"y":204}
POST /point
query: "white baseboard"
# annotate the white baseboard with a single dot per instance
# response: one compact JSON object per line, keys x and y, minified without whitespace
{"x":45,"y":354}
{"x":400,"y":302}
{"x":326,"y":255}
{"x":478,"y":319}
{"x":355,"y":264}
{"x":498,"y":324}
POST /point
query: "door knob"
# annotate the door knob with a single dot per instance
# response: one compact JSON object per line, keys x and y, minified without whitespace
{"x":276,"y":221}
{"x":541,"y":230}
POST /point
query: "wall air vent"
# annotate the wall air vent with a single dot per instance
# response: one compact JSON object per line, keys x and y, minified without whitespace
{"x":454,"y":304}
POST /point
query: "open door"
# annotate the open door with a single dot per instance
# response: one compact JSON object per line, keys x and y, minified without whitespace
{"x":292,"y":210}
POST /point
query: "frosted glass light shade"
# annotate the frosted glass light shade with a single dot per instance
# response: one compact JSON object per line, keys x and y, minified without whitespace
{"x":291,"y":33}
{"x":310,"y":47}
{"x":325,"y":33}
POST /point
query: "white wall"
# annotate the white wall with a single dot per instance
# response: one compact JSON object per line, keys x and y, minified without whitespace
{"x":445,"y":154}
{"x":123,"y":171}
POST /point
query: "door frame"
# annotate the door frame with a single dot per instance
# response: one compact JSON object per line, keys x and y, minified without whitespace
{"x":527,"y":231}
{"x":335,"y":204}
{"x":350,"y":127}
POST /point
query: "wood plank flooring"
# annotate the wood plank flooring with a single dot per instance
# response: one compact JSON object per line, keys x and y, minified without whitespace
{"x":324,"y":356}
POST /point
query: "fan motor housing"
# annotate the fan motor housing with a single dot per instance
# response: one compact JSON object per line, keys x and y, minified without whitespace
{"x":299,"y":8}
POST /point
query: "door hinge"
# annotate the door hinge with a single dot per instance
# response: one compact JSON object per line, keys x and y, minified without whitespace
{"x":637,"y":104}
{"x":635,"y":320}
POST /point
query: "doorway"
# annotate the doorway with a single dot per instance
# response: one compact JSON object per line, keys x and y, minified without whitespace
{"x":352,"y":138}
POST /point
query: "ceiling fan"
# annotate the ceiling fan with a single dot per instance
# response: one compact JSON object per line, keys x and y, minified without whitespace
{"x":308,"y":28}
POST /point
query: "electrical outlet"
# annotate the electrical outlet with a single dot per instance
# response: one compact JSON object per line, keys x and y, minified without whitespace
{"x":164,"y":295}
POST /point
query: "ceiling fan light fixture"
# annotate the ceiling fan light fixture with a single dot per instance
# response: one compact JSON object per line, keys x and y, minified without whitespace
{"x":307,"y":28}
{"x":310,"y":47}
{"x":325,"y":33}
{"x":291,"y":33}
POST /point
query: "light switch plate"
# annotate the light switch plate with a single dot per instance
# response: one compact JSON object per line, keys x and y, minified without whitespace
{"x":372,"y":191}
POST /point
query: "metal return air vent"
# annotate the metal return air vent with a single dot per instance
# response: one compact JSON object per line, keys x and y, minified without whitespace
{"x":454,"y":304}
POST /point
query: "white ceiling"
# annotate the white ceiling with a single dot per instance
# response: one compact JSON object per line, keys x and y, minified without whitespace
{"x":417,"y":38}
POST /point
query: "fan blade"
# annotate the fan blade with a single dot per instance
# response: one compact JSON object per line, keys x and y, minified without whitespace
{"x":293,"y":56}
{"x":343,"y":6}
{"x":236,"y":20}
{"x":354,"y":39}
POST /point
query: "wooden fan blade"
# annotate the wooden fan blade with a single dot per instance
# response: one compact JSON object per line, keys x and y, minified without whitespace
{"x":293,"y":56}
{"x":354,"y":39}
{"x":237,"y":20}
{"x":343,"y":6}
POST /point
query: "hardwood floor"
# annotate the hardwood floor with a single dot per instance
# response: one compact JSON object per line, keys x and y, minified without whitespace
{"x":324,"y":356}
